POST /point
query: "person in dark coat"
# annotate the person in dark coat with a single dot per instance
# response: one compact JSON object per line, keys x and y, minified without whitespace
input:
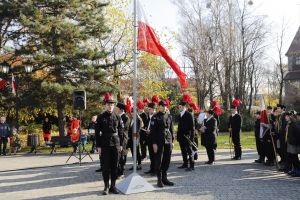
{"x":151,"y":112}
{"x":4,"y":134}
{"x":282,"y":134}
{"x":293,"y":144}
{"x":120,"y":110}
{"x":109,"y":144}
{"x":235,"y":128}
{"x":91,"y":131}
{"x":161,"y":130}
{"x":130,"y":138}
{"x":258,"y":140}
{"x":47,"y":130}
{"x":143,"y":135}
{"x":186,"y":133}
{"x":209,"y":136}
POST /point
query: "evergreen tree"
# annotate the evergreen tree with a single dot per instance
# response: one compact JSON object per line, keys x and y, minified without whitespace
{"x":61,"y":39}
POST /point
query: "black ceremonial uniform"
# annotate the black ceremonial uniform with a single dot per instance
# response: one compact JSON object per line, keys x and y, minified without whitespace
{"x":235,"y":123}
{"x":110,"y":141}
{"x":143,"y":136}
{"x":123,"y":156}
{"x":209,"y":138}
{"x":186,"y":130}
{"x":161,"y":129}
{"x":268,"y":145}
{"x":259,"y":142}
{"x":150,"y":146}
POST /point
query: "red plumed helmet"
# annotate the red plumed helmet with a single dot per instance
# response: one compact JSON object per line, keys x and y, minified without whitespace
{"x":187,"y":98}
{"x":107,"y":97}
{"x":236,"y":102}
{"x":167,"y":102}
{"x":195,"y":107}
{"x":146,"y":100}
{"x":155,"y":99}
{"x":128,"y":105}
{"x":140,"y":105}
{"x":214,"y":104}
{"x":218,"y":110}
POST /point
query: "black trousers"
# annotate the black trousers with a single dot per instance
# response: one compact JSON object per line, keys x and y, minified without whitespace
{"x":151,"y":155}
{"x":260,"y":148}
{"x":138,"y":153}
{"x":3,"y":140}
{"x":163,"y":159}
{"x":292,"y":161}
{"x":269,"y":150}
{"x":283,"y":147}
{"x":122,"y":163}
{"x":110,"y":158}
{"x":143,"y":145}
{"x":210,"y":153}
{"x":237,"y":144}
{"x":186,"y":152}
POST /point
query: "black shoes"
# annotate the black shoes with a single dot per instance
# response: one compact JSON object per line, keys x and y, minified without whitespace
{"x":236,"y":158}
{"x":190,"y":169}
{"x":149,"y":172}
{"x":183,"y":166}
{"x":167,"y":182}
{"x":99,"y":170}
{"x":139,"y":167}
{"x":113,"y":190}
{"x":269,"y":163}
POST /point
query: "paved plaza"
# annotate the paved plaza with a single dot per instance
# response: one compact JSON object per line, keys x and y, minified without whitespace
{"x":47,"y":177}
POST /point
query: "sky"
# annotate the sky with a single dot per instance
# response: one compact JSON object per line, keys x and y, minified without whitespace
{"x":163,"y":16}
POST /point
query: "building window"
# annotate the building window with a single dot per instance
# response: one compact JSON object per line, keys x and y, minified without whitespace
{"x":297,"y":60}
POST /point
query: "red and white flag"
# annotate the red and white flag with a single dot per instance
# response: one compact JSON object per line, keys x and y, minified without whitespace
{"x":13,"y":85}
{"x":2,"y":83}
{"x":148,"y":41}
{"x":263,"y":117}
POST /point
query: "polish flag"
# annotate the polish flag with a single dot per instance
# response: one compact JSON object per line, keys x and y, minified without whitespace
{"x":13,"y":84}
{"x":2,"y":83}
{"x":148,"y":41}
{"x":263,"y":117}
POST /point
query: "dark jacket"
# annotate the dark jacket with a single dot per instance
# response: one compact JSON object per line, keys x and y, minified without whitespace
{"x":209,"y":137}
{"x":131,"y":126}
{"x":185,"y":126}
{"x":145,"y":119}
{"x":4,"y":130}
{"x":47,"y":127}
{"x":112,"y":129}
{"x":235,"y":122}
{"x":161,"y":129}
{"x":257,"y":128}
{"x":293,"y":133}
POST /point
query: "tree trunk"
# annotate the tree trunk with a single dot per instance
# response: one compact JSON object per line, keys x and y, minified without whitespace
{"x":61,"y":116}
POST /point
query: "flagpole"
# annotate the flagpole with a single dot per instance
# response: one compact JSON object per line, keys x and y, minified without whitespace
{"x":134,"y":84}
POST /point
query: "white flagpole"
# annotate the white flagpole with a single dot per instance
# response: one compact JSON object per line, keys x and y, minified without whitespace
{"x":134,"y":183}
{"x":134,"y":84}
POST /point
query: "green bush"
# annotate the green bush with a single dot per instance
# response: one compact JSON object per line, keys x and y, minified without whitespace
{"x":247,"y":122}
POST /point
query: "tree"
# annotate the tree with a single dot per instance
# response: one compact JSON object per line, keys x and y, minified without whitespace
{"x":56,"y":38}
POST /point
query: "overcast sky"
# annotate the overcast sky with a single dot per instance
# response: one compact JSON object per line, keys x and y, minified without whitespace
{"x":163,"y":15}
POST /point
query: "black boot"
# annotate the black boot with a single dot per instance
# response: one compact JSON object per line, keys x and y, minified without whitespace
{"x":159,"y":180}
{"x":183,"y":166}
{"x":113,"y":189}
{"x":165,"y":180}
{"x":106,"y":186}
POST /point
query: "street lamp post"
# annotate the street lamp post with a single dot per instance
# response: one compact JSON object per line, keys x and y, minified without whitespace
{"x":4,"y":68}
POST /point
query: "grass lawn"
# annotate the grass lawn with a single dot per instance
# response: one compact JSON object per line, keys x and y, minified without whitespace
{"x":247,"y":141}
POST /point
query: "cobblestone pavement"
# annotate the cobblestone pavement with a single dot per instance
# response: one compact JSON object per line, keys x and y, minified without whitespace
{"x":46,"y":177}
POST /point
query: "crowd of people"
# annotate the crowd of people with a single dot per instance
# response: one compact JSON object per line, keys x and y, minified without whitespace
{"x":112,"y":133}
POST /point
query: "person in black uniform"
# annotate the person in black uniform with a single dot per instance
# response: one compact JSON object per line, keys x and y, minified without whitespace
{"x":120,"y":110}
{"x":209,"y":136}
{"x":185,"y":132}
{"x":143,"y":134}
{"x":151,"y":112}
{"x":109,"y":144}
{"x":235,"y":126}
{"x":91,"y":129}
{"x":161,"y":130}
{"x":282,"y":134}
{"x":258,"y":140}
